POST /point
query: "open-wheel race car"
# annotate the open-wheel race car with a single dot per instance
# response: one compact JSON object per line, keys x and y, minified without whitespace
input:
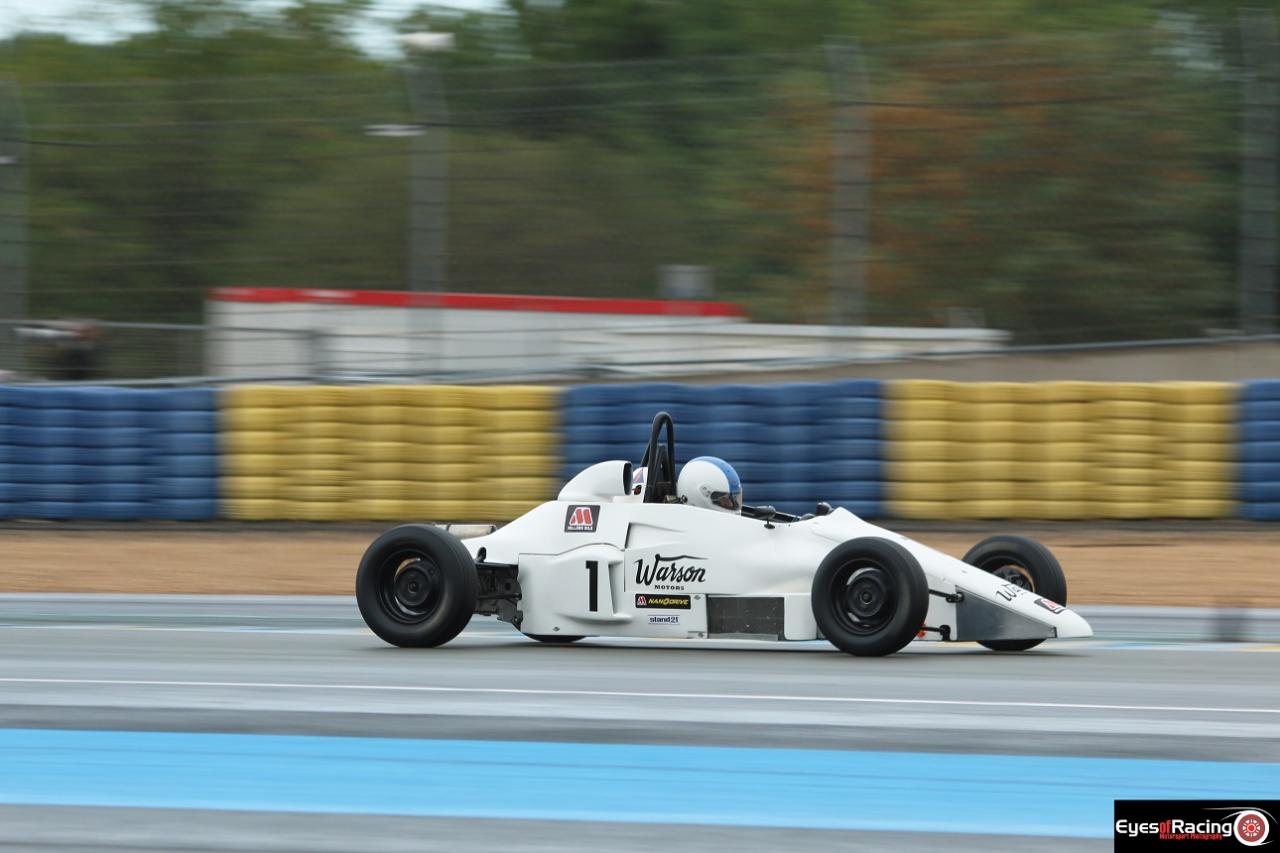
{"x":642,"y":554}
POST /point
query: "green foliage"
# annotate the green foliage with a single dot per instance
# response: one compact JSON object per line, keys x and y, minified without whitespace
{"x":153,"y":159}
{"x":1068,"y":187}
{"x":1076,"y":199}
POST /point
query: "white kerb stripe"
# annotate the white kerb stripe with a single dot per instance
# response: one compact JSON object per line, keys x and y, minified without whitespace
{"x":629,"y":694}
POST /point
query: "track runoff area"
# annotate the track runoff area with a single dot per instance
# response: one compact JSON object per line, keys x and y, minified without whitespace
{"x":265,"y":724}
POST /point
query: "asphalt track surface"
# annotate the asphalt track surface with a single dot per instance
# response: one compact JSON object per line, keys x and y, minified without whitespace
{"x":251,"y":724}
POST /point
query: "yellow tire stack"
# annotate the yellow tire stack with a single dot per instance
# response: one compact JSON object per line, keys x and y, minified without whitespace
{"x":387,"y":452}
{"x":379,"y":450}
{"x":321,"y":480}
{"x":1127,"y":449}
{"x":440,"y":428}
{"x":1059,"y":450}
{"x":1053,"y":451}
{"x":251,"y":419}
{"x":956,"y":450}
{"x":985,"y":427}
{"x":1197,"y":467}
{"x":920,"y":460}
{"x":519,"y":446}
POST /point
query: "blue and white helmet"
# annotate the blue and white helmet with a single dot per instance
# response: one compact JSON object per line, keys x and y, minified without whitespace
{"x":711,"y":483}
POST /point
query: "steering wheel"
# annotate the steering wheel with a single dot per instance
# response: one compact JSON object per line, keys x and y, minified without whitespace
{"x":660,"y":479}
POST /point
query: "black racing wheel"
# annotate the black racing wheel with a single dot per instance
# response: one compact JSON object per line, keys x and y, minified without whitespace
{"x":417,"y":586}
{"x":1024,"y":562}
{"x":870,"y":597}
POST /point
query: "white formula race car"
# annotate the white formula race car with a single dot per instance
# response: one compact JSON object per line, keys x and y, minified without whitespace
{"x":601,"y":560}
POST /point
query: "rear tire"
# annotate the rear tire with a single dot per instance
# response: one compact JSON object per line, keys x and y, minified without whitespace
{"x":417,"y":586}
{"x":1026,"y":563}
{"x":870,"y":597}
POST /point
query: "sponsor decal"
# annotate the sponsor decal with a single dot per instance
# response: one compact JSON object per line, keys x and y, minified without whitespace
{"x":1010,"y":591}
{"x":670,"y":572}
{"x":664,"y":620}
{"x":662,"y":602}
{"x":581,"y":518}
{"x":1051,"y":606}
{"x":1194,"y":824}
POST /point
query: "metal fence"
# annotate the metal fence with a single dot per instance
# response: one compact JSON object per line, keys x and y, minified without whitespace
{"x":162,"y":353}
{"x":1068,"y":189}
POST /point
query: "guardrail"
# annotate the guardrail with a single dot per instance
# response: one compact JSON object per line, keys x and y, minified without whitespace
{"x":140,"y":354}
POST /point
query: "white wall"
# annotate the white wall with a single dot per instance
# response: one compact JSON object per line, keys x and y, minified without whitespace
{"x":360,"y":342}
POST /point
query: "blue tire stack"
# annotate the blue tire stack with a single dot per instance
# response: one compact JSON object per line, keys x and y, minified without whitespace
{"x":1259,"y":475}
{"x":602,"y":422}
{"x":184,"y":464}
{"x":814,"y":441}
{"x":792,"y":444}
{"x":75,"y":453}
{"x":103,"y":453}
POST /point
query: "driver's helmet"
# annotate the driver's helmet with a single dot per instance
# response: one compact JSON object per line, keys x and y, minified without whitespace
{"x":638,"y":477}
{"x":711,"y":483}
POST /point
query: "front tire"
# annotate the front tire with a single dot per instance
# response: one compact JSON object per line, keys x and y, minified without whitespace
{"x":1024,"y":562}
{"x":417,"y":586}
{"x":870,"y":597}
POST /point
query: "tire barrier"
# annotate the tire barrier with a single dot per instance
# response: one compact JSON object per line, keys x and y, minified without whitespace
{"x":387,"y":452}
{"x":107,"y":453}
{"x":1060,"y":450}
{"x":919,"y":449}
{"x":1259,"y":482}
{"x":792,"y":444}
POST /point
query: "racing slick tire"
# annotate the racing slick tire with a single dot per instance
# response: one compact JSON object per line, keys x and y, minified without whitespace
{"x":870,"y":597}
{"x":417,"y":586}
{"x":1026,"y":563}
{"x":555,"y":639}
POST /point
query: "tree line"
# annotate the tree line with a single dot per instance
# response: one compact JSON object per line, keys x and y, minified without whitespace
{"x":1069,"y":172}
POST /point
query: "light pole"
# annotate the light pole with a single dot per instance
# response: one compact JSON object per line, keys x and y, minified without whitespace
{"x":850,"y":185}
{"x":13,"y":222}
{"x":428,"y":172}
{"x":429,"y":167}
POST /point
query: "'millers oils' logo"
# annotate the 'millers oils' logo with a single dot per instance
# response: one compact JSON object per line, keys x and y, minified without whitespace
{"x":582,"y":518}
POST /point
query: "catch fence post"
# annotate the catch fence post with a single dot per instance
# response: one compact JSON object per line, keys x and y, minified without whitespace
{"x":850,"y":184}
{"x":317,"y":355}
{"x":429,"y":203}
{"x":14,"y":177}
{"x":1259,"y":148}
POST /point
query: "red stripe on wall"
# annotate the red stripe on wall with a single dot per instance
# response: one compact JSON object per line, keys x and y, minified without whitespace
{"x":477,"y":301}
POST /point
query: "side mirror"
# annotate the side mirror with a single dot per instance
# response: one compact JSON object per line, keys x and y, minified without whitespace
{"x":766,"y":513}
{"x":823,"y":508}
